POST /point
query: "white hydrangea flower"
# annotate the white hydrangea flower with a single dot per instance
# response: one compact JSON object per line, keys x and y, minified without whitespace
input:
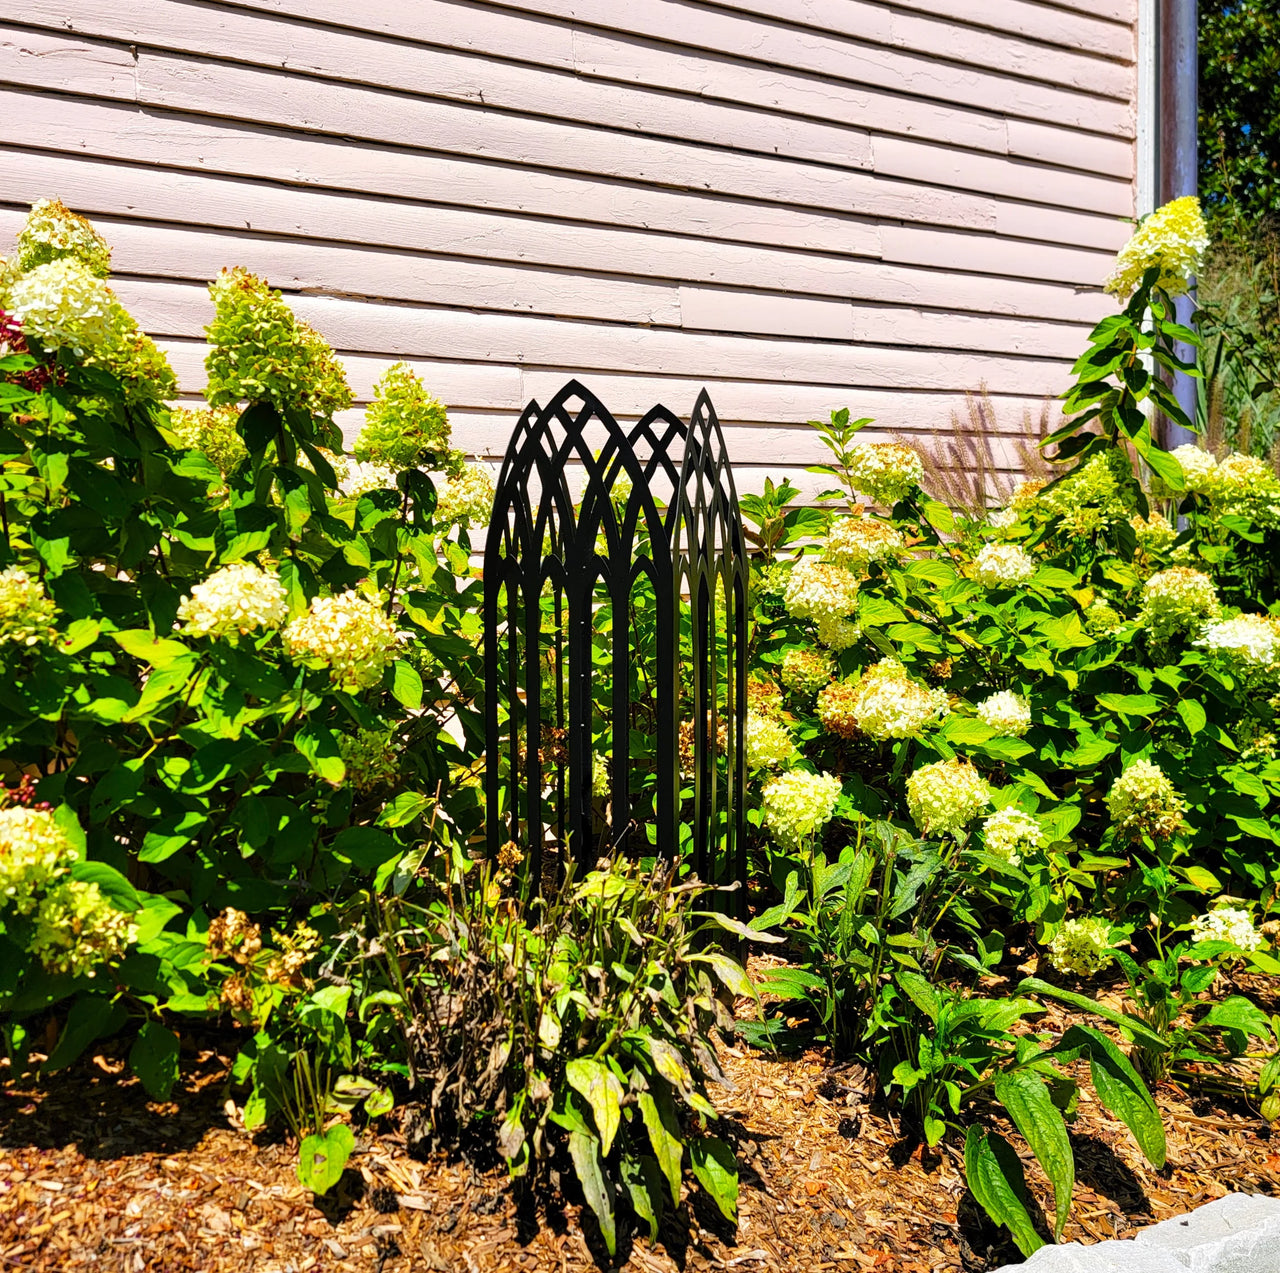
{"x":62,"y":304}
{"x":837,"y":634}
{"x":885,"y":472}
{"x":34,"y":851}
{"x":769,"y":744}
{"x":234,"y":601}
{"x":599,"y":774}
{"x":1142,"y":801}
{"x":1002,"y":519}
{"x":1178,"y":600}
{"x":1174,"y":237}
{"x":1081,"y":947}
{"x":797,"y":805}
{"x":1007,"y":713}
{"x":1003,"y":565}
{"x":884,"y":703}
{"x":26,"y":611}
{"x":857,"y":541}
{"x":1011,"y":833}
{"x":362,"y":476}
{"x":1228,"y":923}
{"x":1199,"y":468}
{"x":77,"y":928}
{"x":806,"y":670}
{"x":1250,"y":640}
{"x":349,"y":634}
{"x":946,"y":796}
{"x":52,"y":230}
{"x":467,"y":499}
{"x":820,"y":590}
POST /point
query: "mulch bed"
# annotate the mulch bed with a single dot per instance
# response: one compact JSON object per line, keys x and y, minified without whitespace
{"x":95,"y":1176}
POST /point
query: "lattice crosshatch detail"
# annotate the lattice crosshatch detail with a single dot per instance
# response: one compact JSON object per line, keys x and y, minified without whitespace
{"x":614,"y":624}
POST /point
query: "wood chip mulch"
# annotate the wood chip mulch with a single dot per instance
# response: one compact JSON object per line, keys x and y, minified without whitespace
{"x":95,"y":1176}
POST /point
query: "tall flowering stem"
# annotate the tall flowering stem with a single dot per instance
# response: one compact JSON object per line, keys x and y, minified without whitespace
{"x":1118,"y":376}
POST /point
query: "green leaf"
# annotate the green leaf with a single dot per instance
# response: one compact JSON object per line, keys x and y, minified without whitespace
{"x":320,"y":748}
{"x":322,"y":1159}
{"x":1130,"y":704}
{"x":717,"y":1171}
{"x":658,"y":1112}
{"x":114,"y":887}
{"x":644,"y":1184}
{"x":90,"y":1018}
{"x":920,"y":992}
{"x":603,"y":1092}
{"x":143,"y":644}
{"x":730,"y":972}
{"x":406,"y":685}
{"x":1140,"y":1032}
{"x":1120,"y":1089}
{"x":365,"y":847}
{"x":1027,"y":1100}
{"x":154,"y":1059}
{"x":407,"y":806}
{"x":1238,"y":1013}
{"x":995,"y":1177}
{"x":738,"y":927}
{"x":1193,"y":715}
{"x":585,"y":1151}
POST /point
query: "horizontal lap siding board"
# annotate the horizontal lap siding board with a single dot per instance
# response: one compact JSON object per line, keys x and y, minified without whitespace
{"x":804,"y":204}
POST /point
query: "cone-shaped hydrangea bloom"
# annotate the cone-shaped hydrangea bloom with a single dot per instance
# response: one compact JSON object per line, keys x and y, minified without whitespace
{"x":1102,"y":617}
{"x":64,"y":305}
{"x":26,"y":611}
{"x":1174,"y":238}
{"x":885,"y":472}
{"x":53,"y":232}
{"x":258,"y":351}
{"x":347,"y":633}
{"x":1081,"y":947}
{"x":837,"y":634}
{"x":404,"y":425}
{"x":1003,"y":565}
{"x":370,"y":757}
{"x":359,"y":477}
{"x":1007,"y":713}
{"x":1199,"y":467}
{"x":1002,"y":518}
{"x":77,"y":929}
{"x":1178,"y":601}
{"x":1154,"y":533}
{"x":1250,"y":642}
{"x":466,"y":500}
{"x":769,"y":744}
{"x":884,"y":703}
{"x":1011,"y":833}
{"x":34,"y":851}
{"x":1142,"y":801}
{"x":1228,"y":923}
{"x":797,"y":805}
{"x":820,"y":590}
{"x":234,"y":601}
{"x":212,"y":431}
{"x":805,"y":670}
{"x":857,"y":541}
{"x":764,"y":696}
{"x":1246,"y":486}
{"x":946,"y":796}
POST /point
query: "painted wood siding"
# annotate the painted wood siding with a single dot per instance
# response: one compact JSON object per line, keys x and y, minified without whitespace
{"x":803,"y":204}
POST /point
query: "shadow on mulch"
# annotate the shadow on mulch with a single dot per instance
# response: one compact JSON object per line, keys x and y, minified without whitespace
{"x":97,"y":1107}
{"x":1099,"y":1168}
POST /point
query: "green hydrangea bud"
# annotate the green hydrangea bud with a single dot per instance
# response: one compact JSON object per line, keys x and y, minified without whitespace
{"x":404,"y":426}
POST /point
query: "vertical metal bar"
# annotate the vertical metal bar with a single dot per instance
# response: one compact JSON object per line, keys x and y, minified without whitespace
{"x":1179,"y":163}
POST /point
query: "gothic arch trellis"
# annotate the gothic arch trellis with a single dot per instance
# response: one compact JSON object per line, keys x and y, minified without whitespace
{"x":552,"y":571}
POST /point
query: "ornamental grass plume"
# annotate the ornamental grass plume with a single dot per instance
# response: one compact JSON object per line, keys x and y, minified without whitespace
{"x":1178,"y":602}
{"x":769,"y":744}
{"x":1081,"y":947}
{"x":347,"y":633}
{"x":1173,"y":238}
{"x":234,"y":601}
{"x":805,"y":670}
{"x":53,"y":232}
{"x":34,"y":852}
{"x":856,"y":542}
{"x":885,"y":702}
{"x":77,"y":929}
{"x":1249,"y":644}
{"x":1011,"y":833}
{"x":797,"y":804}
{"x":260,"y":352}
{"x":26,"y":610}
{"x":1230,"y":924}
{"x":885,"y":472}
{"x":1142,"y":801}
{"x":467,"y":499}
{"x":212,"y":431}
{"x":1005,"y":712}
{"x":946,"y":796}
{"x":1003,"y":565}
{"x":404,"y":425}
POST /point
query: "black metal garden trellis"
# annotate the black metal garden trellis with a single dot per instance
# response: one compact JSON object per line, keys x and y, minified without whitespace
{"x":620,"y":619}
